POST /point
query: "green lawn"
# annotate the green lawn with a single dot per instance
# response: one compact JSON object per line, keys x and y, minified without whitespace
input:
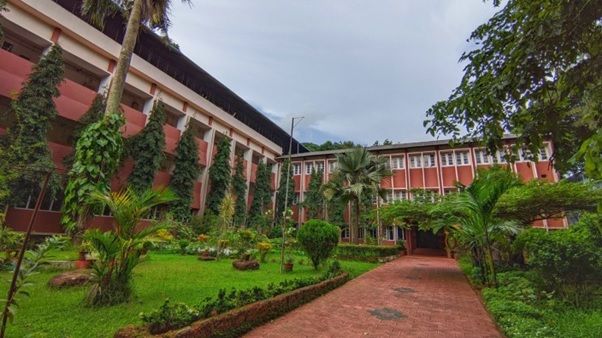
{"x":52,"y":313}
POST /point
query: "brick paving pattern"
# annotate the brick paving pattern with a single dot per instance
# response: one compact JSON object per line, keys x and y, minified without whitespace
{"x":413,"y":296}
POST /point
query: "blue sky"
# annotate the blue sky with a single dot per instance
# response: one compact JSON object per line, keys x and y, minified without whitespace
{"x":357,"y":70}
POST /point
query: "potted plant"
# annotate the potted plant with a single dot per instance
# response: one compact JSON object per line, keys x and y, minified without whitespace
{"x":288,"y":264}
{"x":82,"y":261}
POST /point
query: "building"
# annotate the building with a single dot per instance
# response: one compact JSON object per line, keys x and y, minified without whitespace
{"x":434,"y":166}
{"x":157,"y":71}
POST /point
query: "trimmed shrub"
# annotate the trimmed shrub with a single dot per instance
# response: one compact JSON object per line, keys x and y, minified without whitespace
{"x":318,"y":239}
{"x":366,"y":253}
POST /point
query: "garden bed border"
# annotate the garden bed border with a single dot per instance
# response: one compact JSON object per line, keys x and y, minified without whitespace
{"x":238,"y":321}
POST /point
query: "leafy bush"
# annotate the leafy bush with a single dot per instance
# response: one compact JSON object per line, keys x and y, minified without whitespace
{"x":318,"y":239}
{"x":264,"y":248}
{"x":172,"y":316}
{"x":367,"y":253}
{"x":10,"y":242}
{"x":568,"y":261}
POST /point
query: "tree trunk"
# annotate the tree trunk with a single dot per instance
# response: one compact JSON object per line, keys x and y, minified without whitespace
{"x":125,"y":57}
{"x":356,"y":226}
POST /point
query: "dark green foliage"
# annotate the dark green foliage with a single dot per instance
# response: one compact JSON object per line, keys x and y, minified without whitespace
{"x":185,"y":173}
{"x":539,"y":200}
{"x":535,"y":72}
{"x":318,"y":239}
{"x":173,"y":316}
{"x":314,"y":199}
{"x":147,"y":150}
{"x":568,"y":261}
{"x":366,"y":253}
{"x":329,"y":145}
{"x":219,"y":177}
{"x":2,"y":9}
{"x":93,"y":114}
{"x":27,"y":157}
{"x":281,"y":193}
{"x":97,"y":158}
{"x":239,"y":189}
{"x":262,"y":196}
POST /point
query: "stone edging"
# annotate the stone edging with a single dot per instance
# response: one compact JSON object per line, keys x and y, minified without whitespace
{"x":238,"y":321}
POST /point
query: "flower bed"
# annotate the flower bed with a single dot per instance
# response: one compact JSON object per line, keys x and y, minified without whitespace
{"x":169,"y":321}
{"x":368,"y":253}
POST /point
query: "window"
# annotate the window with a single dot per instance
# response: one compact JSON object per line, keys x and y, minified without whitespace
{"x":401,"y":235}
{"x":397,"y":162}
{"x":447,"y":159}
{"x":309,"y":167}
{"x":415,"y":161}
{"x":543,"y":154}
{"x":360,"y":234}
{"x":462,"y":158}
{"x":481,"y":156}
{"x":398,"y":195}
{"x":296,"y":168}
{"x":297,"y":198}
{"x":50,"y":203}
{"x":320,"y":167}
{"x":345,"y":232}
{"x":429,"y":160}
{"x":372,"y":232}
{"x":390,"y":233}
{"x":499,"y":157}
{"x":332,"y":166}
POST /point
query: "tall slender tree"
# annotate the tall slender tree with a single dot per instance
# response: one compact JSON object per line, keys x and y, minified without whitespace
{"x":219,"y":176}
{"x":281,"y":193}
{"x":239,"y":189}
{"x":314,"y":199}
{"x":185,"y":173}
{"x":147,"y":150}
{"x":27,"y":157}
{"x":262,"y":195}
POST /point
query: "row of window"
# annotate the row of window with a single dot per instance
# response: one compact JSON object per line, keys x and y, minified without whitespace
{"x":428,"y":160}
{"x":389,"y":233}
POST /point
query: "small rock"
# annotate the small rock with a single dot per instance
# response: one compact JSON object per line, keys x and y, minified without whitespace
{"x":70,"y":278}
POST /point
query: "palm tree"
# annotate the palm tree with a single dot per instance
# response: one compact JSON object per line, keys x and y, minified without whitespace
{"x":477,"y":225}
{"x":358,"y":175}
{"x":119,"y":250}
{"x":152,"y":13}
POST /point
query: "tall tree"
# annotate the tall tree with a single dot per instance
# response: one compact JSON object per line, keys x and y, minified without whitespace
{"x":262,"y":195}
{"x":239,"y":189}
{"x":219,"y":176}
{"x":359,"y":173}
{"x":281,"y":193}
{"x":147,"y":150}
{"x":28,"y":157}
{"x":185,"y":173}
{"x":152,"y":13}
{"x":535,"y":72}
{"x":314,"y":199}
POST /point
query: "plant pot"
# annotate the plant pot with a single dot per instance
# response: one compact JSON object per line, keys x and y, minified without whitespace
{"x":82,"y":255}
{"x":288,"y":267}
{"x":82,"y":264}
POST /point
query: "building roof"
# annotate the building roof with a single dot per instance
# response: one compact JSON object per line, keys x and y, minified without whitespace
{"x":396,"y":146}
{"x":170,"y":60}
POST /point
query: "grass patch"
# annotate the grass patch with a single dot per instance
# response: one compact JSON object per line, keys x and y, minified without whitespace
{"x":61,"y":313}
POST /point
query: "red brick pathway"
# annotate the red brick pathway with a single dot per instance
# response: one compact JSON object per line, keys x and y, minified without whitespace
{"x":414,"y":296}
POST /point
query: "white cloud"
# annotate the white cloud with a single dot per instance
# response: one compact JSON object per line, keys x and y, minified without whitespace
{"x":356,"y":69}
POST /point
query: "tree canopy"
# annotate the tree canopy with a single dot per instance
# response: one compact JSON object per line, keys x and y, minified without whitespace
{"x":219,"y":176}
{"x":185,"y":173}
{"x":239,"y":189}
{"x":536,"y":72}
{"x":314,"y":199}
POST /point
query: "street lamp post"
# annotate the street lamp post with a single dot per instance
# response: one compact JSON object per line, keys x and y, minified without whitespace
{"x":285,"y":209}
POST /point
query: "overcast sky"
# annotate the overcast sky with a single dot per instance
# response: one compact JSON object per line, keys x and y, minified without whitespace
{"x":360,"y":70}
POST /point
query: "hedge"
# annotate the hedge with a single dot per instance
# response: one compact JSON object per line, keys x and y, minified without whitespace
{"x":367,"y":253}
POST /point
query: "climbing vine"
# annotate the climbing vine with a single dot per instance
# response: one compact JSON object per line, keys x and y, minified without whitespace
{"x":27,"y":155}
{"x":147,"y":150}
{"x":261,"y":196}
{"x":239,"y":189}
{"x":314,"y":200}
{"x":186,"y":172}
{"x":219,"y":176}
{"x":93,"y":114}
{"x":93,"y":167}
{"x":281,"y":193}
